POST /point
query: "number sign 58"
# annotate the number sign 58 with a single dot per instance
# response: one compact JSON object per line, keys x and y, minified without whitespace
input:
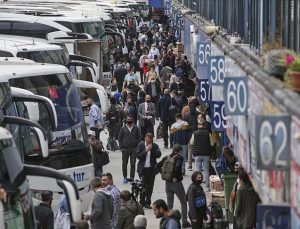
{"x":273,"y":142}
{"x":236,"y":95}
{"x":216,"y":66}
{"x":218,"y":117}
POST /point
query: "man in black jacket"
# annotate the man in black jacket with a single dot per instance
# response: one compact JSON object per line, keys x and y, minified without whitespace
{"x":147,"y":153}
{"x":165,"y":113}
{"x":201,"y":149}
{"x":129,"y":138}
{"x":43,"y":211}
{"x":119,"y":75}
{"x":175,"y":186}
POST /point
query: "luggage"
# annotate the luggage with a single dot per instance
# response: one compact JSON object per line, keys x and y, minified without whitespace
{"x":216,"y":183}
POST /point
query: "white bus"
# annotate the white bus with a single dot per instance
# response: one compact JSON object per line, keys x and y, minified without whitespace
{"x":69,"y":151}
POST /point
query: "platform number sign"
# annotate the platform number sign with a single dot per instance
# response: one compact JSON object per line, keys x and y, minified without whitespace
{"x":273,"y":142}
{"x":204,"y":91}
{"x":218,"y":117}
{"x":216,"y":66}
{"x":236,"y":95}
{"x":203,"y":54}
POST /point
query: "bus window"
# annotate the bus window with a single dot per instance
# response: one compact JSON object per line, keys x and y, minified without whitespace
{"x":5,"y":27}
{"x":6,"y":54}
{"x":31,"y":29}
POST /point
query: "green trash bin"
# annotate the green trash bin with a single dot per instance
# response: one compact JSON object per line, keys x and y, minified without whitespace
{"x":229,"y":181}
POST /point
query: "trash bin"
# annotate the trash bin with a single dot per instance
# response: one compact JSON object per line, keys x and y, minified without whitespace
{"x":229,"y":181}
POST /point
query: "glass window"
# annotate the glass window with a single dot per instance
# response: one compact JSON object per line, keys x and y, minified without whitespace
{"x":6,"y":54}
{"x":31,"y":29}
{"x":5,"y":27}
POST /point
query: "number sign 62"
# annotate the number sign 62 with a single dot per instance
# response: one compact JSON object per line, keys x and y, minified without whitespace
{"x":273,"y":142}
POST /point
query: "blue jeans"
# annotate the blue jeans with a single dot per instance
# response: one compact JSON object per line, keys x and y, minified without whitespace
{"x":198,"y":164}
{"x":185,"y":156}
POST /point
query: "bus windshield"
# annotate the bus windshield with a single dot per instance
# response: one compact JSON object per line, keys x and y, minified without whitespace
{"x":58,"y":56}
{"x":61,"y":91}
{"x":18,"y":212}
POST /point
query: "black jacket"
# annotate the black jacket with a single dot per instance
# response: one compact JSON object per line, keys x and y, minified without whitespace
{"x":202,"y":145}
{"x":148,"y":89}
{"x":45,"y":215}
{"x":141,"y":155}
{"x":177,"y":173}
{"x":127,"y":139}
{"x":193,"y":192}
{"x":120,"y":74}
{"x":164,"y":104}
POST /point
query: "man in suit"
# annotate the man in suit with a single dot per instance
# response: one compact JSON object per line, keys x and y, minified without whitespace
{"x":147,"y":153}
{"x":146,"y":116}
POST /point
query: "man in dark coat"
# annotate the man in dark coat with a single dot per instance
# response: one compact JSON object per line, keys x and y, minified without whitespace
{"x":164,"y":105}
{"x":146,"y":116}
{"x":43,"y":211}
{"x":147,"y":153}
{"x":129,"y":210}
{"x":119,"y":75}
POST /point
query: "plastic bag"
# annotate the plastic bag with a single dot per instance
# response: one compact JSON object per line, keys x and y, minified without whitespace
{"x":62,"y":220}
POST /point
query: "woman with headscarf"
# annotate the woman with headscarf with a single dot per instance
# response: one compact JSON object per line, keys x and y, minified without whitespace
{"x":197,"y":201}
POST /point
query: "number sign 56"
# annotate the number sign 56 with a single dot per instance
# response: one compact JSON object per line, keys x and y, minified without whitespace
{"x":236,"y":95}
{"x":218,"y":117}
{"x":203,"y":52}
{"x":273,"y":142}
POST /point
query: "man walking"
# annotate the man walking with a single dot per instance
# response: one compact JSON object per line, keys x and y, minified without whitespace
{"x":129,"y":138}
{"x":119,"y":75}
{"x":170,"y":219}
{"x":146,"y":116}
{"x":43,"y":211}
{"x":147,"y":153}
{"x":102,"y":206}
{"x":107,"y":182}
{"x":202,"y":150}
{"x":96,"y":121}
{"x":180,"y":135}
{"x":170,"y":168}
{"x":114,"y":117}
{"x":164,"y":111}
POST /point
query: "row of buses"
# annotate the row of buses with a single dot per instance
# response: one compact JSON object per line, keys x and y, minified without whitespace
{"x":53,"y":55}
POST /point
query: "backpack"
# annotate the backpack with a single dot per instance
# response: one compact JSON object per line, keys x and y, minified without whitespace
{"x":113,"y":115}
{"x":164,"y":221}
{"x":173,"y":110}
{"x":216,"y":210}
{"x":168,"y":168}
{"x":221,"y":165}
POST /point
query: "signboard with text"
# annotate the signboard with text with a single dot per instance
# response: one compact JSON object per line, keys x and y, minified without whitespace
{"x":203,"y":53}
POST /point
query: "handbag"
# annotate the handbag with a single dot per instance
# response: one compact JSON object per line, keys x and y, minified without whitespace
{"x":200,"y":201}
{"x":62,"y":220}
{"x":159,"y":131}
{"x":104,"y":158}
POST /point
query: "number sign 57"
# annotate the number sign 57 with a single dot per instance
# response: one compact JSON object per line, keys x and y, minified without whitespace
{"x":273,"y":142}
{"x":218,"y":117}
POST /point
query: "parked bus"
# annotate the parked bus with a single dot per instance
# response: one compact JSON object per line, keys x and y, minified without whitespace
{"x":69,"y":150}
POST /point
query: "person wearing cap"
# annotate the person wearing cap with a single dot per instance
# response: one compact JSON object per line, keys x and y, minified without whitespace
{"x":102,"y":206}
{"x":43,"y":211}
{"x":201,"y":148}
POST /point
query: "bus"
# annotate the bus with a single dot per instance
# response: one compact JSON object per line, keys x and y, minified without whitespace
{"x":17,"y":210}
{"x":69,"y":151}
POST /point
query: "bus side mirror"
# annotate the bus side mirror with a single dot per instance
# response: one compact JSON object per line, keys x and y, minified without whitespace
{"x":43,"y":144}
{"x":55,"y":181}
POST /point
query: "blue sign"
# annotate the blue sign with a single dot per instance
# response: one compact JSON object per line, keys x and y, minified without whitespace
{"x":218,"y":117}
{"x":216,"y":66}
{"x":236,"y":95}
{"x":273,"y":141}
{"x":203,"y":54}
{"x":273,"y":216}
{"x":204,"y":91}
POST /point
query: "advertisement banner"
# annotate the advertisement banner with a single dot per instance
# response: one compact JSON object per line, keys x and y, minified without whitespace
{"x":273,"y":216}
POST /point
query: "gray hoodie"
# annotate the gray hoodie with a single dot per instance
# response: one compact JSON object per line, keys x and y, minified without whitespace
{"x":102,"y":210}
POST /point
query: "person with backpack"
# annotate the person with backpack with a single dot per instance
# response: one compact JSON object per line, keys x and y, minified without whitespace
{"x":167,"y":109}
{"x":169,"y":219}
{"x":114,"y":118}
{"x":129,"y":210}
{"x":170,"y":168}
{"x":201,"y":148}
{"x":197,"y":201}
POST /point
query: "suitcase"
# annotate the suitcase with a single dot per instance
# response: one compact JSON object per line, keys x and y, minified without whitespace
{"x":216,"y":183}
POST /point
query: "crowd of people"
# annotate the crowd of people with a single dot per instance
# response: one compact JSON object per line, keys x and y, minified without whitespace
{"x":156,"y":86}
